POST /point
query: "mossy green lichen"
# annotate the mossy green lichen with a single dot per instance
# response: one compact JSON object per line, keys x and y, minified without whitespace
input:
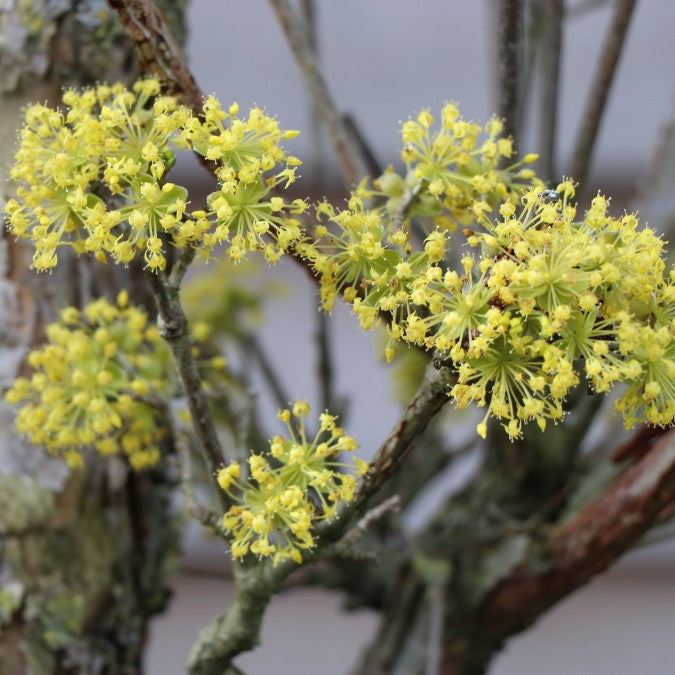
{"x":11,"y":596}
{"x":24,"y":504}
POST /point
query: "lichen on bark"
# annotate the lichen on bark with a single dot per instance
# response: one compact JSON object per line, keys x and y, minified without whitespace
{"x":84,"y":557}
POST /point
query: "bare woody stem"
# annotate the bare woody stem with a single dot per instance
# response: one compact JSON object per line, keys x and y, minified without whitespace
{"x":509,"y":40}
{"x":237,"y":630}
{"x":158,"y":52}
{"x":599,"y":92}
{"x":354,"y":167}
{"x":173,"y":327}
{"x":551,"y":43}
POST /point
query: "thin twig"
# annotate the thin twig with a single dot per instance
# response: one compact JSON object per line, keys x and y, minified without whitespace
{"x":599,"y":93}
{"x":509,"y":41}
{"x":352,"y":164}
{"x":205,"y":516}
{"x":253,"y":346}
{"x":324,"y":366}
{"x":391,"y":505}
{"x":173,"y":327}
{"x":550,"y":84}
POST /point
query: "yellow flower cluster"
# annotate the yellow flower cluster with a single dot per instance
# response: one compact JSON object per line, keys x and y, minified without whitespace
{"x":450,"y":168}
{"x":298,"y":483}
{"x":553,"y":298}
{"x":542,"y":301}
{"x":86,"y":382}
{"x":94,"y":177}
{"x":369,"y":264}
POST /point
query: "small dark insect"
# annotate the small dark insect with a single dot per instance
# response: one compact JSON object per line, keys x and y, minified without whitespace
{"x":550,"y":196}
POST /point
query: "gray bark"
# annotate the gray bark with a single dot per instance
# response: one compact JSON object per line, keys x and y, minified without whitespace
{"x":84,"y":557}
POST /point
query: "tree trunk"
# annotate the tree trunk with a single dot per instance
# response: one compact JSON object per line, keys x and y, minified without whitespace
{"x":84,"y":556}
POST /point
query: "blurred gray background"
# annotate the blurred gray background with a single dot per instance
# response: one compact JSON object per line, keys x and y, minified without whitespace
{"x":384,"y":60}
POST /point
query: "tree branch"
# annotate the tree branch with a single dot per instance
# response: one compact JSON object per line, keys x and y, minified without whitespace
{"x":592,"y":538}
{"x":571,"y":552}
{"x":550,"y":83}
{"x":173,"y":327}
{"x":599,"y":92}
{"x":354,"y":167}
{"x":157,"y":50}
{"x":509,"y":39}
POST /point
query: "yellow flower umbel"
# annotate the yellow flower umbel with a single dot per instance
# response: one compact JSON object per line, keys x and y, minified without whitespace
{"x":552,"y":298}
{"x":86,"y":382}
{"x":297,"y":483}
{"x":251,"y":164}
{"x":109,"y":140}
{"x":94,"y":177}
{"x":451,"y":167}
